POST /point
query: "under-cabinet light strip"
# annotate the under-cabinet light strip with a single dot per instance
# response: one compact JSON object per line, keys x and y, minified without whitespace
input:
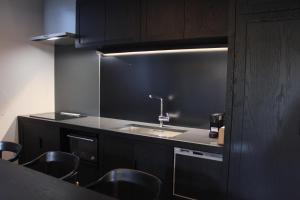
{"x":219,"y":49}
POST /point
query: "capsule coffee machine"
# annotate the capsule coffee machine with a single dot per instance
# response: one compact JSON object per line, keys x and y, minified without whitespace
{"x":216,"y":122}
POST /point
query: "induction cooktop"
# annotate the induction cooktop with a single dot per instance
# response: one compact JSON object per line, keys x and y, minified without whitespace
{"x":57,"y":116}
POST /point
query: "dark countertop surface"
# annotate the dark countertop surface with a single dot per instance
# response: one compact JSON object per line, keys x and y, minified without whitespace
{"x":18,"y":182}
{"x":191,"y":135}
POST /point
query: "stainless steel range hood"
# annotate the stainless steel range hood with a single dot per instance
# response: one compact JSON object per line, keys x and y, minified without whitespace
{"x":59,"y":22}
{"x":54,"y":36}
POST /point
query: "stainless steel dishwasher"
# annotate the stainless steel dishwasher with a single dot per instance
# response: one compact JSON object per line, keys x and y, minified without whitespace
{"x":197,"y":174}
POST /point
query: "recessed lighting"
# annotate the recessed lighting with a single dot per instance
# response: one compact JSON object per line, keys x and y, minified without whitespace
{"x":53,"y":38}
{"x":219,"y":49}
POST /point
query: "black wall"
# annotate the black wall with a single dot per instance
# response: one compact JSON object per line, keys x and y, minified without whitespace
{"x":76,"y":80}
{"x":193,"y":85}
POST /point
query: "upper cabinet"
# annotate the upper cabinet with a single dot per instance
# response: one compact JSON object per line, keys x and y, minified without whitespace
{"x":90,"y":22}
{"x":163,"y":20}
{"x":122,"y":21}
{"x":104,"y":23}
{"x":206,"y":18}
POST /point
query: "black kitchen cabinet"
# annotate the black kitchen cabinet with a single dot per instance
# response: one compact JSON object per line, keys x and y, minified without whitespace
{"x":156,"y":159}
{"x":109,"y":23}
{"x":256,"y":6}
{"x":117,"y":153}
{"x":101,"y":151}
{"x":37,"y":137}
{"x":152,"y":158}
{"x":206,"y":18}
{"x":265,"y":139}
{"x":122,"y":21}
{"x":90,"y":22}
{"x":163,"y":20}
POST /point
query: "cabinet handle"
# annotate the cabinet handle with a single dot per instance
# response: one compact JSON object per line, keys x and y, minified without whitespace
{"x":80,"y":138}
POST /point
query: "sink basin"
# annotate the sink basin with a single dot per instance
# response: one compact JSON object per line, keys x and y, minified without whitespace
{"x":152,"y":130}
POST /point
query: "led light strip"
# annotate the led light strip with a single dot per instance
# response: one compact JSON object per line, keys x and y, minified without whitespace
{"x":219,"y":49}
{"x":53,"y":38}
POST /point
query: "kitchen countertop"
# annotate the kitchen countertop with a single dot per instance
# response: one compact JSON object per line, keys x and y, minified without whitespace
{"x":191,"y":135}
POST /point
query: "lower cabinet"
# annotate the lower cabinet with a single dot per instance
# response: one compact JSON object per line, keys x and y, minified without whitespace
{"x":117,"y":153}
{"x":156,"y":159}
{"x":110,"y":151}
{"x":196,"y":176}
{"x":37,"y":137}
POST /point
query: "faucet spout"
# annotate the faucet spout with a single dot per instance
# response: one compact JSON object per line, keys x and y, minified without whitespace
{"x":161,"y":117}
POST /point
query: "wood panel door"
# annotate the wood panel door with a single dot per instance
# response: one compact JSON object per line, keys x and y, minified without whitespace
{"x":90,"y":22}
{"x":163,"y":20}
{"x":265,"y":138}
{"x":122,"y":21}
{"x":206,"y":18}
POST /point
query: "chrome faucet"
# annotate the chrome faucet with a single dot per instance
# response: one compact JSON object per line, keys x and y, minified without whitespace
{"x":161,"y":117}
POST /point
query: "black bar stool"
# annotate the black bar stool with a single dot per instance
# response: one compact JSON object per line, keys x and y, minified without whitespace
{"x":10,"y":147}
{"x":128,"y":184}
{"x":59,"y":164}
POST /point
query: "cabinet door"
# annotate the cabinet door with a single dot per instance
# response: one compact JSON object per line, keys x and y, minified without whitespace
{"x":29,"y":138}
{"x":117,"y":153}
{"x":157,"y":160}
{"x":37,"y":137}
{"x":265,"y":138}
{"x":49,"y":138}
{"x":90,"y":22}
{"x":122,"y":21}
{"x":163,"y":20}
{"x":206,"y":18}
{"x":255,"y":6}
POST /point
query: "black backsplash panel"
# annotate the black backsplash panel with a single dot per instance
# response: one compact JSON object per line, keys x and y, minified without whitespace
{"x":193,"y":86}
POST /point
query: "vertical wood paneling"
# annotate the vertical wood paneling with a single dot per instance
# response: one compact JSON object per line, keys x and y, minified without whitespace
{"x":265,"y":136}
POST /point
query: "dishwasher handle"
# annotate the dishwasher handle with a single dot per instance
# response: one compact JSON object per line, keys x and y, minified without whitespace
{"x":80,"y":138}
{"x":198,"y":154}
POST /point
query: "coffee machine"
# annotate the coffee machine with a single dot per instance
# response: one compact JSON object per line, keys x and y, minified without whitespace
{"x":216,"y":122}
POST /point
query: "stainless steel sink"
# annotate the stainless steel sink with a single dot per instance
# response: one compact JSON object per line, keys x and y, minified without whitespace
{"x":152,"y":130}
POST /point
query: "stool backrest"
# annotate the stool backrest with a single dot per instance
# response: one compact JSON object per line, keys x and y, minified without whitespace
{"x":128,"y":184}
{"x":55,"y":163}
{"x":10,"y":147}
